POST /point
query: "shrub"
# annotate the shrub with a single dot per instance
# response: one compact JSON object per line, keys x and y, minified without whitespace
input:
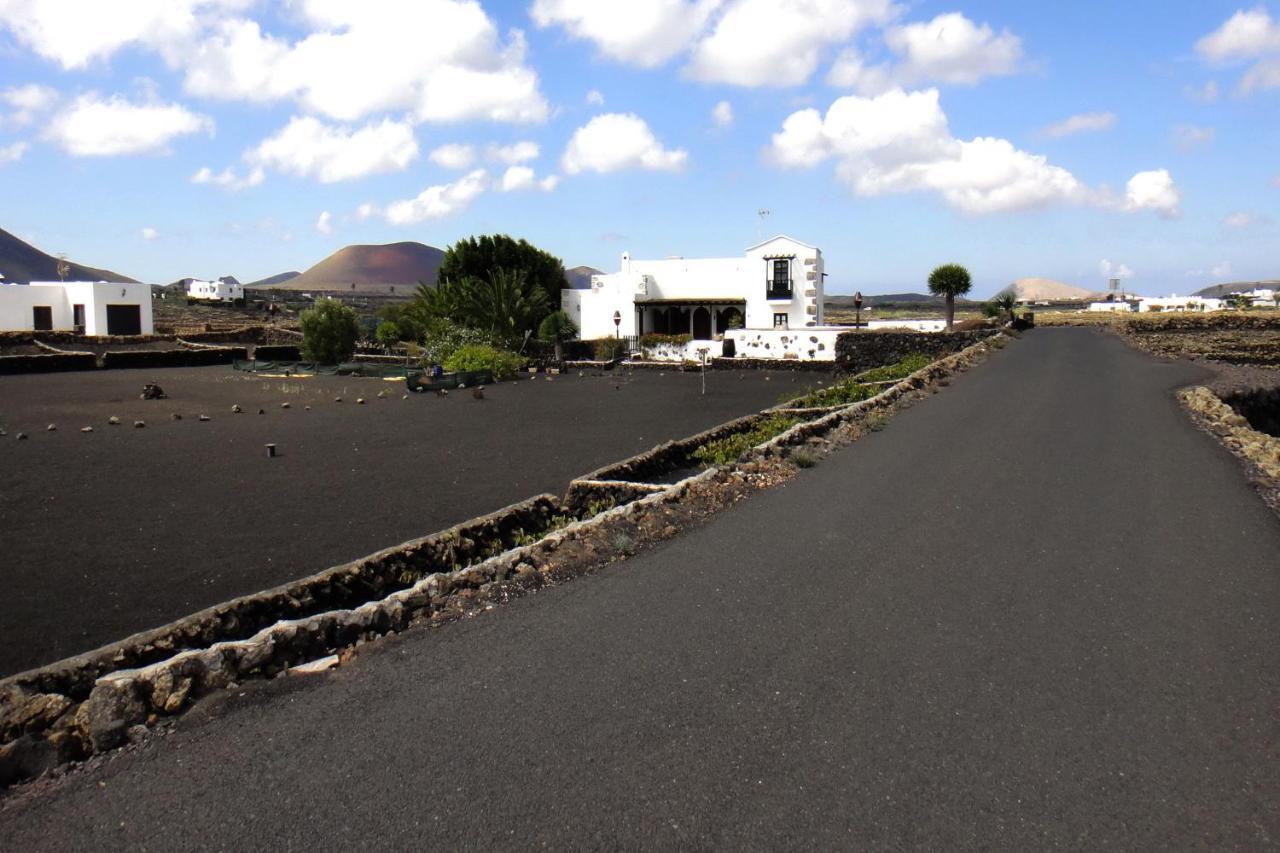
{"x":730,"y":448}
{"x":557,"y":328}
{"x":498,"y":362}
{"x":608,"y":349}
{"x":329,"y":332}
{"x":443,"y":338}
{"x":653,"y":339}
{"x":898,"y":370}
{"x":388,"y":333}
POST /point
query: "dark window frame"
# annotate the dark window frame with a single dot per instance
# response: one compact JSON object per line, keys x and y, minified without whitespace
{"x":778,"y":283}
{"x":781,"y":320}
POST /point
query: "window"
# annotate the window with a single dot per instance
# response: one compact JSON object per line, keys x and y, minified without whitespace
{"x":778,"y":285}
{"x":780,"y":321}
{"x":42,"y":318}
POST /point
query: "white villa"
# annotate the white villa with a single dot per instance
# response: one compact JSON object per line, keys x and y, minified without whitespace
{"x":222,"y":290}
{"x":776,"y":284}
{"x":89,"y":307}
{"x":1179,"y":303}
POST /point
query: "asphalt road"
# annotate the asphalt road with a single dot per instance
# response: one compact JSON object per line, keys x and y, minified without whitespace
{"x":1038,"y":611}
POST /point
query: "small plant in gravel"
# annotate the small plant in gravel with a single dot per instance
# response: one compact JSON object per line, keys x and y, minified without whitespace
{"x":731,"y":448}
{"x":498,"y":362}
{"x":898,"y":370}
{"x":623,"y":544}
{"x":803,"y":458}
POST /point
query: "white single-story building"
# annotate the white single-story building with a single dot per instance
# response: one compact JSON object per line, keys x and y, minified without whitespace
{"x":223,"y":290}
{"x":776,"y":284}
{"x":1113,"y":307}
{"x":89,"y":307}
{"x":1179,"y":303}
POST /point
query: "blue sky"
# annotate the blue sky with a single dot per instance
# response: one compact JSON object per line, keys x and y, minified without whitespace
{"x":166,"y":138}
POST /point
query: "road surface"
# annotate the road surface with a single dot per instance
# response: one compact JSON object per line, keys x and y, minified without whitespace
{"x":1038,"y":611}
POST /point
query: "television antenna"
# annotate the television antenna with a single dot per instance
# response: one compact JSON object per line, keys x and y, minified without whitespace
{"x":1114,"y":286}
{"x":64,"y":268}
{"x":760,"y":214}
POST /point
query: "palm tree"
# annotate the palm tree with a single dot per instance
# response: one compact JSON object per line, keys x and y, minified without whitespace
{"x":506,"y":305}
{"x":950,"y":280}
{"x":556,"y":328}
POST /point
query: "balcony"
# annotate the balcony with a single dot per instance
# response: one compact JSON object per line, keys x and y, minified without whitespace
{"x":777,"y":289}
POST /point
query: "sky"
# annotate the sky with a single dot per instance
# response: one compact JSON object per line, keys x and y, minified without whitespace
{"x":1080,"y":142}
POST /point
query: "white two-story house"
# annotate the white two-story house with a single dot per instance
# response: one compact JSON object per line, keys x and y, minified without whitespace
{"x":776,"y":284}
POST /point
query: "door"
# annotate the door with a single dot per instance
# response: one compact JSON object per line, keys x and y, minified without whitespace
{"x":124,"y":319}
{"x":77,"y":317}
{"x":702,"y":325}
{"x":42,"y":318}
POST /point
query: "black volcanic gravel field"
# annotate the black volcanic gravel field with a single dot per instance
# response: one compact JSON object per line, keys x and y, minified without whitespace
{"x":107,"y":533}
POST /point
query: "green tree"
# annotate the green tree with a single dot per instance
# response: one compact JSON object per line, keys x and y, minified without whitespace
{"x":506,"y":305}
{"x":1003,"y":303}
{"x":329,"y":332}
{"x":950,"y":280}
{"x":480,"y":257}
{"x":556,"y":328}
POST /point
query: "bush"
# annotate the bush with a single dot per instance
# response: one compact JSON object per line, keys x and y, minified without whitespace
{"x":329,"y":332}
{"x":608,"y":349}
{"x":653,"y":339}
{"x":498,"y":362}
{"x":443,"y":338}
{"x":388,"y":334}
{"x":898,"y":370}
{"x":557,"y":328}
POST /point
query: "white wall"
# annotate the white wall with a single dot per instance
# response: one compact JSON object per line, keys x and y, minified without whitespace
{"x":1121,"y":307}
{"x":17,"y":301}
{"x":800,"y":344}
{"x":214,"y":290}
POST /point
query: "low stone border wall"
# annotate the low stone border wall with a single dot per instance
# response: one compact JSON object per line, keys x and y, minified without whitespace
{"x":858,"y":351}
{"x":94,"y":702}
{"x":1260,"y":450}
{"x":123,"y":359}
{"x":277,"y":352}
{"x":49,"y":363}
{"x":668,"y":456}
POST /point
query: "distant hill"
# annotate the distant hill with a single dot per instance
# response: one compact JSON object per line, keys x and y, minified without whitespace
{"x":278,"y":278}
{"x":392,"y":267}
{"x":1218,"y":291}
{"x":21,"y":263}
{"x":1048,"y":290}
{"x":580,"y":277}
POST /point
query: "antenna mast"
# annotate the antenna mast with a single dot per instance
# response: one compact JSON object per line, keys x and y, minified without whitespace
{"x":760,"y":214}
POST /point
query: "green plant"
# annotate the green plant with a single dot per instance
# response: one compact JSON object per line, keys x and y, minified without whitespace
{"x":623,"y":544}
{"x":1003,"y":303}
{"x":653,"y":339}
{"x":950,"y":281}
{"x":329,"y":332}
{"x":608,"y":349}
{"x":388,"y":333}
{"x":498,"y":362}
{"x":729,"y":449}
{"x":898,"y":370}
{"x":803,"y":458}
{"x":557,"y":328}
{"x":477,"y":258}
{"x":443,"y":338}
{"x":506,"y":305}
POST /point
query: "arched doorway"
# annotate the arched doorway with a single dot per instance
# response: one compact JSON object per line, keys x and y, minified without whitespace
{"x":701,"y":324}
{"x":729,"y":318}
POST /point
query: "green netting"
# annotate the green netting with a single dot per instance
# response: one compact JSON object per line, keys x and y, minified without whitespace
{"x":422,"y":381}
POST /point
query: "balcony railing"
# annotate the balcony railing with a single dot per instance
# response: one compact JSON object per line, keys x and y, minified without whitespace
{"x":777,"y":288}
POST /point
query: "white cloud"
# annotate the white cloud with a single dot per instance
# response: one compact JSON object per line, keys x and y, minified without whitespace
{"x":439,"y":201}
{"x":96,"y":127}
{"x":366,"y":211}
{"x":228,"y":178}
{"x":722,"y":114}
{"x":1239,"y":220}
{"x":900,"y":142}
{"x":850,"y":71}
{"x":1247,"y":36}
{"x":615,"y":141}
{"x":646,"y":33}
{"x":76,"y":33}
{"x":308,"y":148}
{"x":28,"y":102}
{"x":453,"y":156}
{"x":595,"y":98}
{"x":1189,"y":137}
{"x":953,"y":49}
{"x":514,"y":154}
{"x":1154,"y":191}
{"x":363,"y":58}
{"x":778,"y":42}
{"x":522,"y":178}
{"x":1080,"y":123}
{"x":1222,"y":270}
{"x":324,"y":223}
{"x":149,"y":234}
{"x":12,"y":153}
{"x":346,"y":61}
{"x":1110,"y":270}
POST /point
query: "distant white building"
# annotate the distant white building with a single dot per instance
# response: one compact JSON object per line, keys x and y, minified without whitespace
{"x":89,"y":307}
{"x":222,"y":290}
{"x":1178,"y":303}
{"x":776,"y":284}
{"x":1113,"y":307}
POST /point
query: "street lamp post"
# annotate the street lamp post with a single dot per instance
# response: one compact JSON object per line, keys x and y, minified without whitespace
{"x":617,"y":324}
{"x":857,"y":308}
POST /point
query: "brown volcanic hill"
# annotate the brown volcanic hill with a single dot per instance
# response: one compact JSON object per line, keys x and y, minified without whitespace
{"x":387,"y":268}
{"x":21,"y":263}
{"x":278,"y":278}
{"x":1048,"y":290}
{"x":579,"y":278}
